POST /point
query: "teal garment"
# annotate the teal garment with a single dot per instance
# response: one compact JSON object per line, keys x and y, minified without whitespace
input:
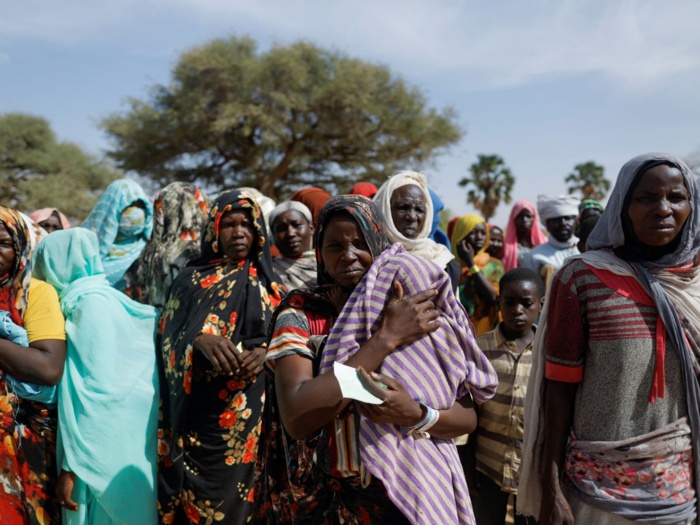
{"x":107,"y":409}
{"x":122,"y":236}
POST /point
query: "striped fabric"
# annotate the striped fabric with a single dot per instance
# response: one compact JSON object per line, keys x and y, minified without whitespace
{"x":423,"y":477}
{"x":499,"y":440}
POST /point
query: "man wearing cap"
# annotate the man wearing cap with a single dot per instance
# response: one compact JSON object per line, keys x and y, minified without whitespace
{"x":558,"y":213}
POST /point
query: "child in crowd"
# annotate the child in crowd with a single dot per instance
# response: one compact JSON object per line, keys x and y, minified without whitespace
{"x":494,"y":451}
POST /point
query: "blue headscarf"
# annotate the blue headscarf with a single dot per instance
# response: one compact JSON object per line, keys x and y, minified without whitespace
{"x":123,"y":222}
{"x":436,"y":233}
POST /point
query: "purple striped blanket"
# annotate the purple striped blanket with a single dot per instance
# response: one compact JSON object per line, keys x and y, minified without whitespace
{"x":423,"y":477}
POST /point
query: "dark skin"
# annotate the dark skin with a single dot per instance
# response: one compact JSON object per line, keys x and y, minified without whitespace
{"x":561,"y":228}
{"x":467,"y":249}
{"x":524,"y":222}
{"x":52,"y":224}
{"x":495,"y":248}
{"x":408,"y":209}
{"x":309,"y":402}
{"x":292,"y":234}
{"x":41,"y":362}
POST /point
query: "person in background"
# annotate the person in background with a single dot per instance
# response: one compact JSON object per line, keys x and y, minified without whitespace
{"x":612,"y":414}
{"x":50,"y":219}
{"x":28,"y":470}
{"x":494,"y":450}
{"x":587,"y":208}
{"x":180,"y":213}
{"x":478,"y":285}
{"x":313,"y":198}
{"x":405,"y":204}
{"x":108,"y":397}
{"x":123,"y":221}
{"x":522,"y":234}
{"x":495,"y":248}
{"x":559,"y":214}
{"x":584,"y":231}
{"x":436,"y":233}
{"x":366,"y":189}
{"x":291,"y":228}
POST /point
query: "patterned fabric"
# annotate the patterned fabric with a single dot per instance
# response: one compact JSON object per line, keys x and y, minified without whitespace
{"x":483,"y":316}
{"x":208,"y":432}
{"x":120,"y":243}
{"x":499,"y":438}
{"x":423,"y":477}
{"x":589,"y":204}
{"x":512,"y":249}
{"x":180,"y":213}
{"x":27,"y":472}
{"x":297,"y":273}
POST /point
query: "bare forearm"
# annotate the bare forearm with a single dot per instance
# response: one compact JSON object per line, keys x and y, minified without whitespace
{"x":41,"y":363}
{"x":456,"y":421}
{"x":558,"y":419}
{"x":485,"y":289}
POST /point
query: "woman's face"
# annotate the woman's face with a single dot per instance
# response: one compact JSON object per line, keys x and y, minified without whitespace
{"x":524,"y":221}
{"x":345,"y":253}
{"x":659,"y":206}
{"x":7,"y":251}
{"x":236,"y":234}
{"x":477,"y":237}
{"x":292,"y":234}
{"x":408,"y":207}
{"x":495,"y":248}
{"x":52,"y":224}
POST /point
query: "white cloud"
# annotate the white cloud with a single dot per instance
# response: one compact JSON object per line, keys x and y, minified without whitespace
{"x":635,"y":44}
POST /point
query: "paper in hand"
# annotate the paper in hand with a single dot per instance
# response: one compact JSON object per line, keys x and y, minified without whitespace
{"x":351,"y":386}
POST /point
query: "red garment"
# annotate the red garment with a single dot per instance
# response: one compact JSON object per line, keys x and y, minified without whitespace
{"x":366,"y":189}
{"x":313,"y":198}
{"x":510,"y":242}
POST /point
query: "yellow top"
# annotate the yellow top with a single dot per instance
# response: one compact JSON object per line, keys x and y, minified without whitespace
{"x":43,"y":318}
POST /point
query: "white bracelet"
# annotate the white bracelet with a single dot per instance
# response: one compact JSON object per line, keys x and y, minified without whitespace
{"x":421,"y":430}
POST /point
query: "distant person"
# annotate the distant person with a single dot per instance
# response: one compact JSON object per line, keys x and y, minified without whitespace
{"x":559,"y":214}
{"x":50,"y":219}
{"x":436,"y":232}
{"x":494,"y":450}
{"x":291,"y":229}
{"x":584,"y":231}
{"x":522,"y":235}
{"x":588,"y":208}
{"x":313,"y":198}
{"x":366,"y":189}
{"x":495,"y":248}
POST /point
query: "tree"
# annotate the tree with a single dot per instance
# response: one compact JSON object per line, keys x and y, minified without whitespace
{"x":491,"y":182}
{"x":290,"y":117}
{"x":589,"y":180}
{"x":36,"y":171}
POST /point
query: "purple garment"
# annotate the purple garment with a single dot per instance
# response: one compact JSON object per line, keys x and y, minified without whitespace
{"x":423,"y":477}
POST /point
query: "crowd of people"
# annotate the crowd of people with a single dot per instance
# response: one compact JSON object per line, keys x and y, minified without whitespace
{"x":185,"y":361}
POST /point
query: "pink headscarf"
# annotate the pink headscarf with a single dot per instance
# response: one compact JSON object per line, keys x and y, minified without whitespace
{"x":44,"y":213}
{"x":510,"y":243}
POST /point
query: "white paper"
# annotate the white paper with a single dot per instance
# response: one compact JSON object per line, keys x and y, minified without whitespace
{"x":351,"y":386}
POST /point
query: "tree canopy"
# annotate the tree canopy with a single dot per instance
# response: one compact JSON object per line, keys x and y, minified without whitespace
{"x":589,"y":180}
{"x":491,"y":182}
{"x":290,"y":117}
{"x":37,"y":171}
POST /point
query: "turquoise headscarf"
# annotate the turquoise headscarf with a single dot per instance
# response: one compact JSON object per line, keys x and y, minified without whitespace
{"x":122,"y":229}
{"x":107,"y":409}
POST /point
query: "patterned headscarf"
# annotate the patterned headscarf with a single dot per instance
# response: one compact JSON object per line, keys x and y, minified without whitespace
{"x":14,"y":285}
{"x":464,"y":227}
{"x":104,"y":219}
{"x":368,"y":218}
{"x":510,"y":242}
{"x":590,"y":204}
{"x":180,"y":212}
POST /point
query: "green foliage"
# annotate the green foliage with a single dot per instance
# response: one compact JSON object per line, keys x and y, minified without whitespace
{"x":491,"y":182}
{"x":589,"y":180}
{"x":36,"y":171}
{"x":290,"y":117}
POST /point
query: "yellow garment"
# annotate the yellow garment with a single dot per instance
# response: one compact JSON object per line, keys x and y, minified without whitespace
{"x":43,"y":318}
{"x":464,"y":227}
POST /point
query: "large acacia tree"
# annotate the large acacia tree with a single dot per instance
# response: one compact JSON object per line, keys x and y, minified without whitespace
{"x":38,"y":171}
{"x":290,"y":117}
{"x":489,"y":183}
{"x":588,"y":179}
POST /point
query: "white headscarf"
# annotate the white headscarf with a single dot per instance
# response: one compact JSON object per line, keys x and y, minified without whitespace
{"x":552,"y":206}
{"x":287,"y":206}
{"x":422,"y":245}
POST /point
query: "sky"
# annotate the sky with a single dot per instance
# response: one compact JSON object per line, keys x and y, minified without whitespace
{"x":545,"y":84}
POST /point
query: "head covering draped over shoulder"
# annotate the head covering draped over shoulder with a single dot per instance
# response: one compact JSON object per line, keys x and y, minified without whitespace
{"x":422,"y":245}
{"x":368,"y":218}
{"x":41,"y":215}
{"x":285,"y":207}
{"x":436,"y":233}
{"x":180,"y":212}
{"x":366,"y":189}
{"x":553,"y":206}
{"x":510,"y":243}
{"x":94,"y":383}
{"x":313,"y":198}
{"x":266,"y":203}
{"x":121,"y":239}
{"x":464,"y":227}
{"x":610,"y":230}
{"x":14,"y":286}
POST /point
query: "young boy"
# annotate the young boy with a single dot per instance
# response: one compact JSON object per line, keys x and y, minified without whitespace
{"x":495,"y":449}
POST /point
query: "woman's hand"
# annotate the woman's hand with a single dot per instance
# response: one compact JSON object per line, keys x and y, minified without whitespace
{"x":466,"y":252}
{"x":406,"y":320}
{"x":220,"y":352}
{"x":398,"y":406}
{"x":252,"y":362}
{"x":64,"y":490}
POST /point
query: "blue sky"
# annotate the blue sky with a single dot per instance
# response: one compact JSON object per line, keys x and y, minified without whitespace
{"x":545,"y":84}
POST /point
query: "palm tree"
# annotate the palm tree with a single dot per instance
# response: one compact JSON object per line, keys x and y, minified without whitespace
{"x":588,"y":179}
{"x":491,"y":182}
